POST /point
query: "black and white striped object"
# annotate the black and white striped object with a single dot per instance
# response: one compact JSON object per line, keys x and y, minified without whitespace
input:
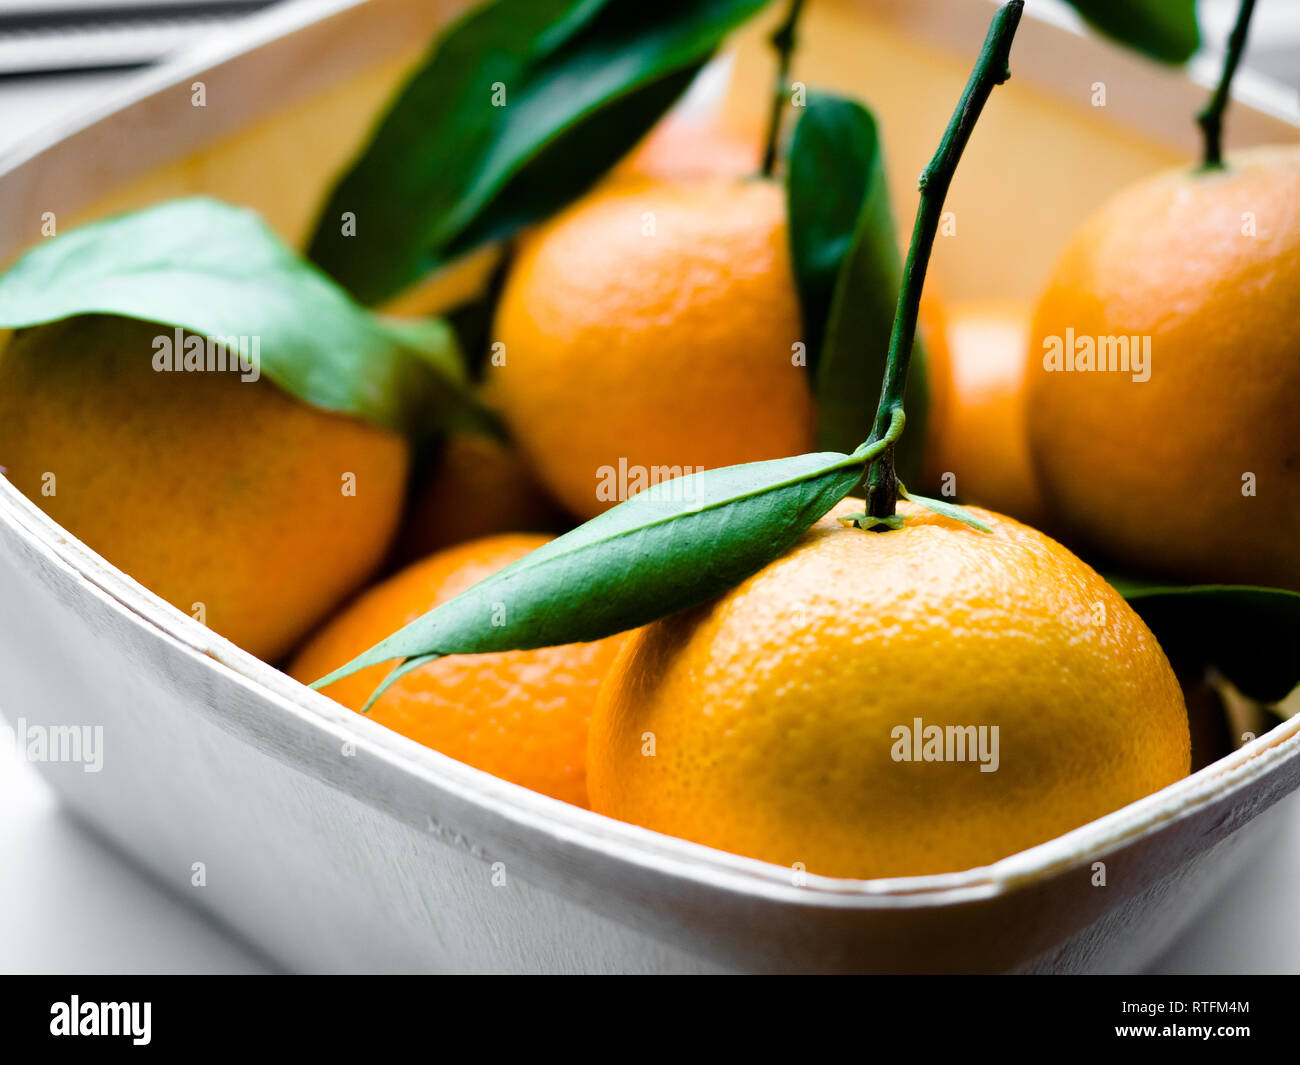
{"x":48,"y":36}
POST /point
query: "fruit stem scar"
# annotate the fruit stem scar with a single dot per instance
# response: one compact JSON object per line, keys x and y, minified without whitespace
{"x":783,"y":40}
{"x":1211,"y":119}
{"x":992,"y":68}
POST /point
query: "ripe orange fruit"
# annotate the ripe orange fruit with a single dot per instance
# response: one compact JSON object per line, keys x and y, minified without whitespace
{"x":648,"y":330}
{"x":932,"y":330}
{"x":688,"y":148}
{"x":476,"y":486}
{"x":772,"y":721}
{"x":1194,"y":471}
{"x":981,"y":433}
{"x":225,"y":497}
{"x":522,"y":715}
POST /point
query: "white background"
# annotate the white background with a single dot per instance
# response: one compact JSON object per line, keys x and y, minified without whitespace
{"x":70,"y":905}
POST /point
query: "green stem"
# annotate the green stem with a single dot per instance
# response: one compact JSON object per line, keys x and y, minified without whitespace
{"x":870,"y":449}
{"x":1211,"y":119}
{"x":783,"y":40}
{"x":992,"y":68}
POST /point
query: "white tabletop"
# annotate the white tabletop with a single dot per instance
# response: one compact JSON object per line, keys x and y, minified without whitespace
{"x":68,"y":904}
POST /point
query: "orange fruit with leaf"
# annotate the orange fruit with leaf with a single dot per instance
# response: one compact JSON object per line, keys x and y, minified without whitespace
{"x":923,"y":700}
{"x":654,"y":328}
{"x":254,"y":511}
{"x":522,"y":715}
{"x":648,"y":330}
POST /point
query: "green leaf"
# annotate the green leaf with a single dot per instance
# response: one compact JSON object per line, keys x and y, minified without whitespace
{"x":844,"y":247}
{"x":1251,"y":635}
{"x":948,"y":510}
{"x":550,"y":181}
{"x":446,"y":170}
{"x":834,"y":162}
{"x":219,"y":271}
{"x":1162,"y":29}
{"x":668,"y":548}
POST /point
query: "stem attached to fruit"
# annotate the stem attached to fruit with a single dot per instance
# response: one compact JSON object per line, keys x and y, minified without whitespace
{"x":1211,"y":119}
{"x":783,"y":40}
{"x":992,"y":68}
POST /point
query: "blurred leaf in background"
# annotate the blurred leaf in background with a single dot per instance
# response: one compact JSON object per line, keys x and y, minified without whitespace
{"x":516,"y":110}
{"x":844,"y":247}
{"x":1162,"y":29}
